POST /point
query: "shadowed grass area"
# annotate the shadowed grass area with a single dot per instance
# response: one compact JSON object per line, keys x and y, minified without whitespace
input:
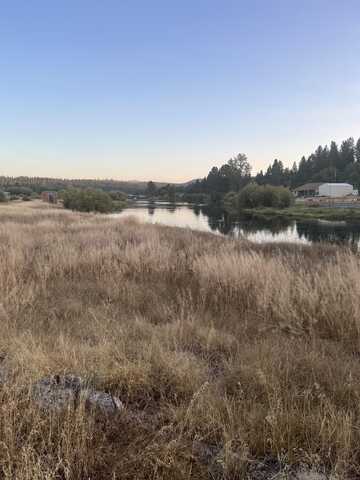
{"x":225,"y":353}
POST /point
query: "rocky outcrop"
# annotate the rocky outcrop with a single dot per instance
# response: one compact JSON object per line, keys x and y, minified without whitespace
{"x":59,"y":392}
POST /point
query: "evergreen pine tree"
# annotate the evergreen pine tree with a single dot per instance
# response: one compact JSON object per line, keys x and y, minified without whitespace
{"x":346,"y":153}
{"x":334,"y":160}
{"x":357,"y":151}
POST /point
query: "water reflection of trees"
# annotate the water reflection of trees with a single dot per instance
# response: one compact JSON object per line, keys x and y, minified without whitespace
{"x":329,"y":232}
{"x":274,"y":225}
{"x":218,"y":220}
{"x":226,"y":224}
{"x":171,"y":207}
{"x":152,"y":206}
{"x":196,"y":209}
{"x":313,"y":231}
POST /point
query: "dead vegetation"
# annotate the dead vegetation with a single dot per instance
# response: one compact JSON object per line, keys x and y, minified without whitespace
{"x":231,"y":359}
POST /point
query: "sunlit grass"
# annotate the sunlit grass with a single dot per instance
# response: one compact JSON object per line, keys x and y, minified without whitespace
{"x":249,"y":351}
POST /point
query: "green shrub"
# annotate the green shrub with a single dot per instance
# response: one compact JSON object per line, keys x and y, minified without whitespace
{"x":87,"y":200}
{"x":231,"y":203}
{"x":286,"y":198}
{"x":2,"y":197}
{"x":254,"y":196}
{"x":17,"y":190}
{"x":116,"y":195}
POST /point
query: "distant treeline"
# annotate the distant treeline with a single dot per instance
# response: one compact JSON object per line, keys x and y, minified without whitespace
{"x":326,"y":164}
{"x":40,"y":184}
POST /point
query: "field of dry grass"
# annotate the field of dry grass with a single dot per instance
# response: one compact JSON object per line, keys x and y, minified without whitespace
{"x":233,"y":360}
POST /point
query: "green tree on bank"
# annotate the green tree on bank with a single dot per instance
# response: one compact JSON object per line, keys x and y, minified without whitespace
{"x":151,"y":189}
{"x":168,"y":193}
{"x":232,"y":176}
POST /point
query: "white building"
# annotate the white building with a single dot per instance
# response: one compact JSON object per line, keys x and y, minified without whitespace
{"x":325,"y":190}
{"x":336,"y":190}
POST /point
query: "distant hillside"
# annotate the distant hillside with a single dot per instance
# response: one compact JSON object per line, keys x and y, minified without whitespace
{"x":44,"y":183}
{"x":190,"y":182}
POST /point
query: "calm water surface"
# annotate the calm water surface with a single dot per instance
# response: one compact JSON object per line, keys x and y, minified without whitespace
{"x":272,"y":230}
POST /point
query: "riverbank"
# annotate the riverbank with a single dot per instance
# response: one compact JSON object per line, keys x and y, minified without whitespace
{"x":232,"y":360}
{"x":299,"y":212}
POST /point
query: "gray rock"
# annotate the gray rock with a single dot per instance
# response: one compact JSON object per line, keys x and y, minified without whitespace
{"x":102,"y":401}
{"x":68,"y":391}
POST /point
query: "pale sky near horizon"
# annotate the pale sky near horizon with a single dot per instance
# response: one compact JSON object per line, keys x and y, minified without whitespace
{"x":164,"y":89}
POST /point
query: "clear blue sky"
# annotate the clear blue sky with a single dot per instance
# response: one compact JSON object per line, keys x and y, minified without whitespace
{"x":165,"y":89}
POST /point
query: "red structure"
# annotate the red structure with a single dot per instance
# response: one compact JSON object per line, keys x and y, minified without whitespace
{"x":49,"y":197}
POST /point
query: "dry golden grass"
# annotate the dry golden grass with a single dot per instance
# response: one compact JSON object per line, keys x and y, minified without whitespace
{"x":224,"y":353}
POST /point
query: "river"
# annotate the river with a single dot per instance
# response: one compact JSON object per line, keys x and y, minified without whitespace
{"x":206,"y":219}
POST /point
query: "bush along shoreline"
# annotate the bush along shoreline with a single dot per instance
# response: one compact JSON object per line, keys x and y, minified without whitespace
{"x":258,"y":196}
{"x":91,"y":200}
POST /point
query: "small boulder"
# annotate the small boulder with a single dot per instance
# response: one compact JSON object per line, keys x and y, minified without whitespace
{"x":104,"y":402}
{"x":58,"y":392}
